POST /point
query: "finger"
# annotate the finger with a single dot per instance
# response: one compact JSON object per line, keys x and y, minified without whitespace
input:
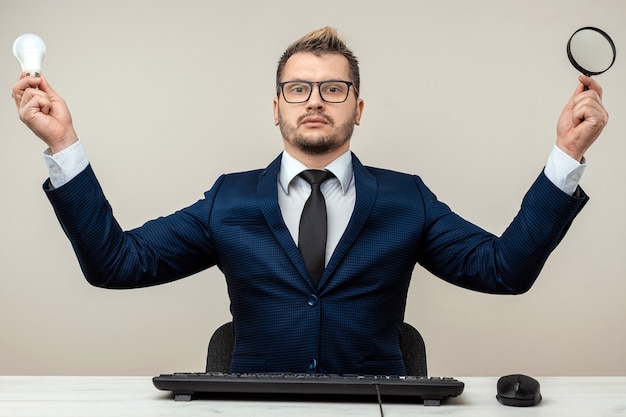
{"x":33,"y":107}
{"x":586,"y":102}
{"x":26,"y":95}
{"x":589,"y":110}
{"x":588,"y":99}
{"x":590,"y":84}
{"x":35,"y":101}
{"x":25,"y":82}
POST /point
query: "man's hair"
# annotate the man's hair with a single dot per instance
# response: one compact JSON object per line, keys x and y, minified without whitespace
{"x":320,"y":42}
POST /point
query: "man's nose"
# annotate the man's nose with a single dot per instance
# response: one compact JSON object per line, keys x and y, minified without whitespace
{"x":315,"y":100}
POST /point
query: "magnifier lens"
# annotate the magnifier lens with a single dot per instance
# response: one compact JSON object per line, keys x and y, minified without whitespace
{"x":591,"y":51}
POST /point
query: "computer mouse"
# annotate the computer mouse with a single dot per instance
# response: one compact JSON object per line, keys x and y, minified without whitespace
{"x":518,"y":390}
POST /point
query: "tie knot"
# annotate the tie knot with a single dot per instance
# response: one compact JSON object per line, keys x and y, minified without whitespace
{"x":316,"y":176}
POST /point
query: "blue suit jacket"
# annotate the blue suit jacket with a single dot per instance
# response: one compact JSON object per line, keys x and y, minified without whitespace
{"x":351,"y":322}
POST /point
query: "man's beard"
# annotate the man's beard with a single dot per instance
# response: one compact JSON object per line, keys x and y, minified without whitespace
{"x":318,"y":145}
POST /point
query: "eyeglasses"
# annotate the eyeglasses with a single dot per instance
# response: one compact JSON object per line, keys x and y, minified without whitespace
{"x":333,"y":91}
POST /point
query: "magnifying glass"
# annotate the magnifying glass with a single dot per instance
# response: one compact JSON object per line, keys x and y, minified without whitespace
{"x":591,"y":51}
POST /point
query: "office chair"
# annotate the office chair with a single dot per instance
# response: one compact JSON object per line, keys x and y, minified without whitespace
{"x":222,"y":343}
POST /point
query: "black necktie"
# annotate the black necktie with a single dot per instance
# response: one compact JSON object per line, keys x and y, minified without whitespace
{"x":312,"y":234}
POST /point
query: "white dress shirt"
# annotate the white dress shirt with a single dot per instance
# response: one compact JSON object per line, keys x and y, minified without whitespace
{"x":293,"y":191}
{"x":339,"y":193}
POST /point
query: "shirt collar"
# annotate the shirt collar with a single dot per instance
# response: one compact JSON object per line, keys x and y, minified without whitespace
{"x":341,"y":168}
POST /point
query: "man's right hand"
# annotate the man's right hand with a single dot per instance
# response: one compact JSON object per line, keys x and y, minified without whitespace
{"x":44,"y":112}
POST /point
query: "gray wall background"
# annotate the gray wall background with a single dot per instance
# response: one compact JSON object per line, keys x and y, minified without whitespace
{"x":168,"y":95}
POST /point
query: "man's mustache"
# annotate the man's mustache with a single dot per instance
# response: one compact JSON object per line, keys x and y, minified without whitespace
{"x":325,"y":117}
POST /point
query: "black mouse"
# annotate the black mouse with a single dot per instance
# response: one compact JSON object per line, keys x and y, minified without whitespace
{"x":518,"y":390}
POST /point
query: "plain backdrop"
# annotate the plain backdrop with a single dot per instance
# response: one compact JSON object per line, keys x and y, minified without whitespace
{"x":168,"y":95}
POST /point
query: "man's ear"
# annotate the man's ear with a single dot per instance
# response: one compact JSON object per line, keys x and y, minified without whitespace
{"x":275,"y":111}
{"x":359,"y":111}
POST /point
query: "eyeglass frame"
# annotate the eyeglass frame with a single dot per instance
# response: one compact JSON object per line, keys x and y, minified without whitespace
{"x":281,"y":89}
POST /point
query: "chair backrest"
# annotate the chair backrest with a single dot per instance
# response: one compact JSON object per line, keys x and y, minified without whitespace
{"x":413,"y":351}
{"x":222,"y":344}
{"x":220,"y":353}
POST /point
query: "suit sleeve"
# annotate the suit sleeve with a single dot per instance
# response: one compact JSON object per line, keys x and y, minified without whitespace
{"x":160,"y":251}
{"x":468,"y":256}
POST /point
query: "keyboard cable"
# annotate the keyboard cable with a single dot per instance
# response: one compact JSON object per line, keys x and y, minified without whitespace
{"x":380,"y":402}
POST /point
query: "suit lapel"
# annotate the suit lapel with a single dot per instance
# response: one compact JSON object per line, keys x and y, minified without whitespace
{"x":267,"y":191}
{"x":366,"y":187}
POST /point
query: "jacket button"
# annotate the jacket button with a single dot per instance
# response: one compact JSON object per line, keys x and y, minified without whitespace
{"x":313,"y":300}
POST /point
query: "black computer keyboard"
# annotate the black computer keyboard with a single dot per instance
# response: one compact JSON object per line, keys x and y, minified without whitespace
{"x":430,"y":390}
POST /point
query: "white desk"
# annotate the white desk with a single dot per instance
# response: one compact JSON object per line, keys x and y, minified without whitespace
{"x":55,"y":396}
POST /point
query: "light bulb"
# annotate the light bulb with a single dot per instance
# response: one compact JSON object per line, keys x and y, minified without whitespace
{"x":29,"y":50}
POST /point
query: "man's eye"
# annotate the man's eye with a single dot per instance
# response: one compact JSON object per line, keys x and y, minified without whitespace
{"x":334,"y":88}
{"x":297,"y":88}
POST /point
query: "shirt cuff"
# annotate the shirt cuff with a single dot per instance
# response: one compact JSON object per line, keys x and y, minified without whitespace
{"x":564,"y":171}
{"x":65,"y":165}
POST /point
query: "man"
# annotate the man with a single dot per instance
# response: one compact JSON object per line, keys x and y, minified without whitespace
{"x":288,"y":314}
